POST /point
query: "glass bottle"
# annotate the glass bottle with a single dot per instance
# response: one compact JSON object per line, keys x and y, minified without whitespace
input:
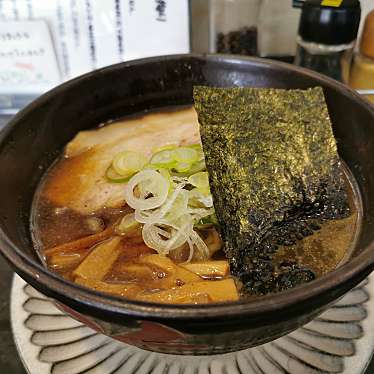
{"x":233,"y":26}
{"x":362,"y":71}
{"x":327,"y":36}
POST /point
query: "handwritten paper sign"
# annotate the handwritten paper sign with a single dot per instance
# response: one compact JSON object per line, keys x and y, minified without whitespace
{"x":86,"y":35}
{"x":27,"y":60}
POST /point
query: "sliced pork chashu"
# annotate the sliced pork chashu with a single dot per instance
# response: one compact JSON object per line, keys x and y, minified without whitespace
{"x":80,"y":184}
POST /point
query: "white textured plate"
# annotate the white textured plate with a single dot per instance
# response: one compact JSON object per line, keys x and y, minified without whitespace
{"x":340,"y":341}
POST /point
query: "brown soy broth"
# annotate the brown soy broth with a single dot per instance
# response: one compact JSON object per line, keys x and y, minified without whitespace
{"x":332,"y":244}
{"x":321,"y":252}
{"x":53,"y":225}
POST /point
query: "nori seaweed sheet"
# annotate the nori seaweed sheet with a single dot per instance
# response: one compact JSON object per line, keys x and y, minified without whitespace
{"x":275,"y":175}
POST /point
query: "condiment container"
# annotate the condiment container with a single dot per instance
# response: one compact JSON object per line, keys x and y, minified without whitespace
{"x":327,"y":35}
{"x":233,"y":26}
{"x":362,"y":70}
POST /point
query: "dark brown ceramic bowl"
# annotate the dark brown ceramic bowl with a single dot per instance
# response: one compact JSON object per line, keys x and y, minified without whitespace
{"x":31,"y":142}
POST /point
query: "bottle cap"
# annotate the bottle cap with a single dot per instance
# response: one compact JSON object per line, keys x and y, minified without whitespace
{"x":331,"y":25}
{"x":367,"y":39}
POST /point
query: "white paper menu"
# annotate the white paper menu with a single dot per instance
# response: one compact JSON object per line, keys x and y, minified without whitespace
{"x":89,"y":34}
{"x":27,"y":59}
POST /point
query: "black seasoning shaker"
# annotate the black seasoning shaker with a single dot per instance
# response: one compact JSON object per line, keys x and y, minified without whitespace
{"x":327,"y":35}
{"x":233,"y":26}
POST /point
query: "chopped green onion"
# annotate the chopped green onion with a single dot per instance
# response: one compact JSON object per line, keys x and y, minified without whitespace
{"x":169,"y":159}
{"x":213,"y":219}
{"x":168,"y":209}
{"x":182,"y":167}
{"x":207,"y":222}
{"x":178,"y":207}
{"x":200,"y":181}
{"x":185,"y":155}
{"x":164,"y":148}
{"x":164,"y":172}
{"x":114,"y":177}
{"x":154,"y":190}
{"x":128,"y":162}
{"x":195,"y":167}
{"x":197,"y":199}
{"x":199,"y":149}
{"x":163,"y":159}
{"x":128,"y":223}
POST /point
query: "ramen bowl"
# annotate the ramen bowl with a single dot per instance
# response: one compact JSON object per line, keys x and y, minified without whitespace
{"x":36,"y":136}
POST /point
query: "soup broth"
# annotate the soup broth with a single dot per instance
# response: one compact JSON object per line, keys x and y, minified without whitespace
{"x":78,"y":219}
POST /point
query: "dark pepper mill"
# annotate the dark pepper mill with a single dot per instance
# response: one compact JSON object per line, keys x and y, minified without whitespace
{"x":327,"y":35}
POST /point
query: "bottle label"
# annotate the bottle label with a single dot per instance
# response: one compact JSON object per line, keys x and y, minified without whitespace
{"x":334,"y":3}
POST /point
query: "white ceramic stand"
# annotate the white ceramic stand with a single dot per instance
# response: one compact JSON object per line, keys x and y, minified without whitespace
{"x":340,"y":341}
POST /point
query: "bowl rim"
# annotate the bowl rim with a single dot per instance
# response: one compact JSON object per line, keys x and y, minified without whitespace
{"x":52,"y":284}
